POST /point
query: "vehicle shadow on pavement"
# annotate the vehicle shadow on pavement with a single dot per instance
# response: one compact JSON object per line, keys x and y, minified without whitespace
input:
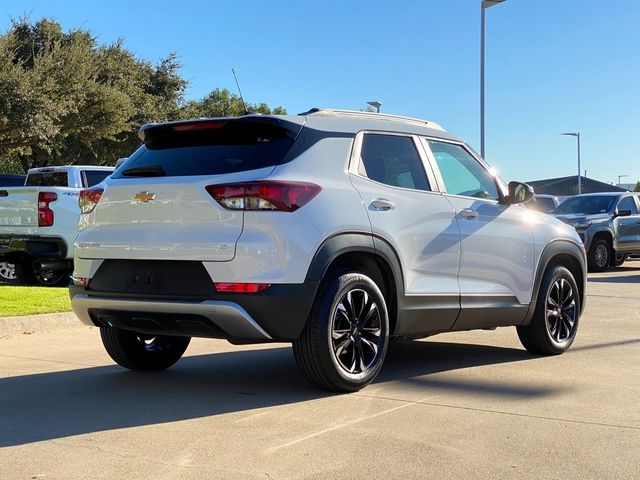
{"x":60,"y":404}
{"x":625,"y":279}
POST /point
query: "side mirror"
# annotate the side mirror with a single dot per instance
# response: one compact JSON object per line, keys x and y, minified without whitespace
{"x":519,"y":193}
{"x":623,"y":213}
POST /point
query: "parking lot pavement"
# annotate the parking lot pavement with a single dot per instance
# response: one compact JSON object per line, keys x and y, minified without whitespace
{"x":465,"y":405}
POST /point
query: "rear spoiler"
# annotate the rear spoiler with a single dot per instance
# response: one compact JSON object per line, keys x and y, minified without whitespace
{"x":292,"y":124}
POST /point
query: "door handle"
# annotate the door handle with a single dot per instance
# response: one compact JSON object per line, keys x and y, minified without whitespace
{"x":638,"y":222}
{"x":468,"y":214}
{"x":383,"y":204}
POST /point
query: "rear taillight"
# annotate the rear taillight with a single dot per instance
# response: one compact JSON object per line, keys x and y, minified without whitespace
{"x":264,"y":195}
{"x":89,"y":199}
{"x":241,"y":287}
{"x":81,"y":281}
{"x":45,"y":214}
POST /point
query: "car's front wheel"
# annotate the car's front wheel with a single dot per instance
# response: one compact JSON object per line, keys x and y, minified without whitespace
{"x":599,"y":255}
{"x":344,"y":342}
{"x":555,"y":321}
{"x":137,"y":351}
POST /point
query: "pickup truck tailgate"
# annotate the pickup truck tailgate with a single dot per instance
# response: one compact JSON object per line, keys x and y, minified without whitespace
{"x":18,"y":207}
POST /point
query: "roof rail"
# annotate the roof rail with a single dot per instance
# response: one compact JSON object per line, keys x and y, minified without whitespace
{"x":374,"y":115}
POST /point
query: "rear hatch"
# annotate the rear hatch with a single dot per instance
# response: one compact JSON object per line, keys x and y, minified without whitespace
{"x":156,"y":206}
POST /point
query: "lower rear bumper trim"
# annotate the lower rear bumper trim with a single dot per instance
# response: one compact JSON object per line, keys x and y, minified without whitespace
{"x":228,"y":316}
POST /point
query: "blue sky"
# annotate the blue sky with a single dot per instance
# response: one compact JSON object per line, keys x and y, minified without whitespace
{"x":552,"y":65}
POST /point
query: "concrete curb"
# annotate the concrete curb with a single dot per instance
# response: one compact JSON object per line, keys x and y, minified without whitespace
{"x":38,"y":323}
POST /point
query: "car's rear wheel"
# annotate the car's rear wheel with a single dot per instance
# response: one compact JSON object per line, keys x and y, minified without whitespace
{"x":7,"y":272}
{"x":618,"y":259}
{"x":27,"y":273}
{"x":555,"y":321}
{"x":344,"y":342}
{"x":599,"y":255}
{"x":137,"y":351}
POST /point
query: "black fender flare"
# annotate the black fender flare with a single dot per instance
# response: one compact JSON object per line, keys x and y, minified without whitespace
{"x":354,"y":242}
{"x":553,"y":249}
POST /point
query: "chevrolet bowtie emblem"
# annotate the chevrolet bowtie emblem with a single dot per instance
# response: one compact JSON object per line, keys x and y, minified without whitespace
{"x":145,"y":196}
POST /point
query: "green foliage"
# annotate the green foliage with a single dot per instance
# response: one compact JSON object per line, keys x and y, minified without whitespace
{"x":64,"y":99}
{"x":223,"y":103}
{"x":637,"y":187}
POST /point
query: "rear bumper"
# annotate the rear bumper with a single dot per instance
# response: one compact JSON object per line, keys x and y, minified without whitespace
{"x":277,"y":314}
{"x":36,"y":246}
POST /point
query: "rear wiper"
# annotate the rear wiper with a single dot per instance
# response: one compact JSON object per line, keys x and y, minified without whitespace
{"x":148,"y":171}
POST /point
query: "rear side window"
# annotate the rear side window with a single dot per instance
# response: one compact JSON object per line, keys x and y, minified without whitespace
{"x":94,"y":177}
{"x":214,"y":148}
{"x":47,"y":179}
{"x":393,"y":160}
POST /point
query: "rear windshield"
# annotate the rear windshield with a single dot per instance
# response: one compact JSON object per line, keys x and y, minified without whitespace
{"x":223,"y":147}
{"x":587,"y":205}
{"x":94,"y":177}
{"x":47,"y":179}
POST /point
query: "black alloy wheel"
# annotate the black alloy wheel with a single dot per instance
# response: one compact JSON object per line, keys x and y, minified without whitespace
{"x":561,"y":310}
{"x":554,"y":324}
{"x":344,"y":342}
{"x":356,"y":331}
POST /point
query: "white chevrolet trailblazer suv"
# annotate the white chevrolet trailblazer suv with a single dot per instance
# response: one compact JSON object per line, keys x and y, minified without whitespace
{"x":334,"y":230}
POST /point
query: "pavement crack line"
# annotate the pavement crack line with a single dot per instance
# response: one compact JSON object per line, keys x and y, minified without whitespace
{"x":151,"y":461}
{"x":49,"y":361}
{"x":502,"y":412}
{"x":345,"y":424}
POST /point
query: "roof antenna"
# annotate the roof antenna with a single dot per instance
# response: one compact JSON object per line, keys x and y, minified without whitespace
{"x":244,"y":105}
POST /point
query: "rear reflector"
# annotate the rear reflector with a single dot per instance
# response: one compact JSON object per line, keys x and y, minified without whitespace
{"x":89,"y":199}
{"x":241,"y":287}
{"x":264,"y":195}
{"x":45,"y":214}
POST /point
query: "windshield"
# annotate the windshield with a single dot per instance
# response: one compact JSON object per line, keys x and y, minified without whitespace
{"x":587,"y":205}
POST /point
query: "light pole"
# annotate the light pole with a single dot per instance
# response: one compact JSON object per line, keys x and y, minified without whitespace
{"x":485,"y":4}
{"x":621,"y":176}
{"x":375,"y":104}
{"x":577,"y":135}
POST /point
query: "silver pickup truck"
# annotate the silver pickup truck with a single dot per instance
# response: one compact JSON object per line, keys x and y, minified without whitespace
{"x":608,"y":224}
{"x":39,"y":221}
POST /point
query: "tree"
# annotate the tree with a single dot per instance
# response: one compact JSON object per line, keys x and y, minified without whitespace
{"x":637,"y":187}
{"x":223,"y":103}
{"x":64,"y":99}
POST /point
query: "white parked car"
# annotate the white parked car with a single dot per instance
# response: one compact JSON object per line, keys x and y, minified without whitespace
{"x":333,"y":230}
{"x":38,"y":222}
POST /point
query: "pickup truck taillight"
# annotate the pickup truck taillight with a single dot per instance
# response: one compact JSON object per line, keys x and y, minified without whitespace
{"x":45,"y":214}
{"x":264,"y":195}
{"x":89,"y":199}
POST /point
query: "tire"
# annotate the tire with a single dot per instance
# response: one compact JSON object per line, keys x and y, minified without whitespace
{"x":599,"y":255}
{"x":618,"y":259}
{"x":555,"y":323}
{"x":140,"y":352}
{"x":27,"y":275}
{"x":342,"y":346}
{"x":8,"y":272}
